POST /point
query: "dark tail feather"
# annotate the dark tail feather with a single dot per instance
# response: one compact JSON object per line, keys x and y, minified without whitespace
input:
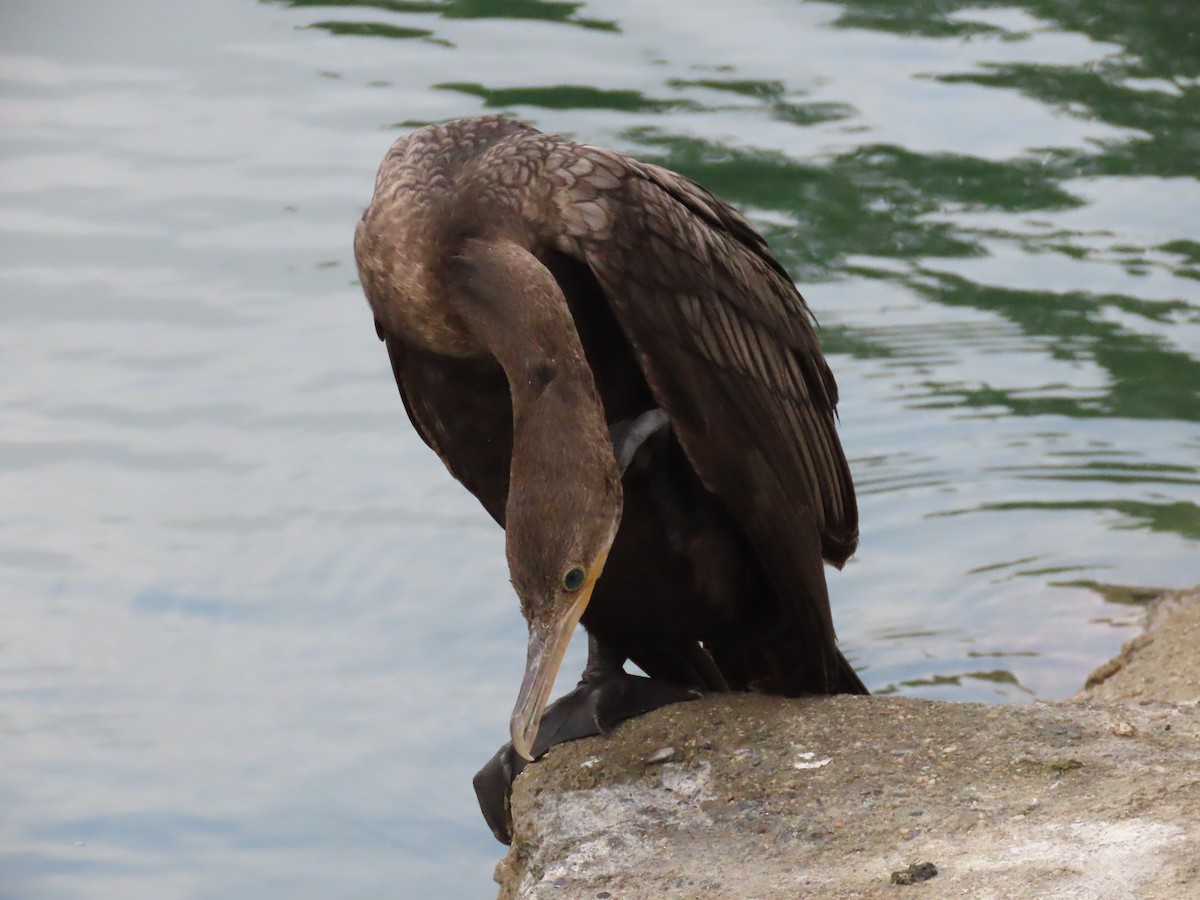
{"x":846,"y":680}
{"x":685,"y":663}
{"x":788,"y":665}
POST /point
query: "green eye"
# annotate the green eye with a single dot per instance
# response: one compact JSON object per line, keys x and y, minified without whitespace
{"x":573,"y":580}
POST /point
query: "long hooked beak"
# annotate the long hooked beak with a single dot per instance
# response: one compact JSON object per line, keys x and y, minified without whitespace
{"x":547,"y":644}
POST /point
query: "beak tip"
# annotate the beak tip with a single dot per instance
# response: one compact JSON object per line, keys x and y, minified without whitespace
{"x":522,"y":742}
{"x":547,"y":644}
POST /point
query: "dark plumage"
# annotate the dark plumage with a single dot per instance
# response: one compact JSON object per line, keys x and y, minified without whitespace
{"x":536,"y":297}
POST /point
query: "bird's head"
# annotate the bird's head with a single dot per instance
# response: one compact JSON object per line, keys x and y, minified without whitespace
{"x":564,"y":507}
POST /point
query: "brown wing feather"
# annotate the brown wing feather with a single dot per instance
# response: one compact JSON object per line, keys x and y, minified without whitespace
{"x":724,"y":340}
{"x":729,"y":349}
{"x":696,"y":290}
{"x":475,"y":444}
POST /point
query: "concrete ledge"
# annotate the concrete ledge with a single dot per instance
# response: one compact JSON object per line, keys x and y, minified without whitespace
{"x":742,"y":796}
{"x":1161,"y":664}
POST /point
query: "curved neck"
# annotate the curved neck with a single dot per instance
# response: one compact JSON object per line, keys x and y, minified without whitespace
{"x":517,"y":311}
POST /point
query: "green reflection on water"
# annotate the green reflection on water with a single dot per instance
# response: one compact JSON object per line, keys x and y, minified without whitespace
{"x":833,"y":212}
{"x":1147,"y":379}
{"x":1122,"y":594}
{"x":378,"y":29}
{"x":997,"y":676}
{"x":1169,"y":120}
{"x":872,"y":201}
{"x":887,"y":214}
{"x":545,"y":10}
{"x":1160,"y":44}
{"x":773,"y":96}
{"x":566,"y":96}
{"x":1179,"y":518}
{"x":1161,"y":37}
{"x":921,"y":222}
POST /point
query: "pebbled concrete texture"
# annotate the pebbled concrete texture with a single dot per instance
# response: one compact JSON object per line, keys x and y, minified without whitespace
{"x":1160,"y":664}
{"x":744,"y":796}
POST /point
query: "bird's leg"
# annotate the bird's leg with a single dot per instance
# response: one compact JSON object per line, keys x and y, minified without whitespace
{"x":640,"y":446}
{"x":613,"y":695}
{"x":629,"y":435}
{"x":605,"y":696}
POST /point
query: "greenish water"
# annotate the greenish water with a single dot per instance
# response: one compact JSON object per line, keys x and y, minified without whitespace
{"x":256,"y":641}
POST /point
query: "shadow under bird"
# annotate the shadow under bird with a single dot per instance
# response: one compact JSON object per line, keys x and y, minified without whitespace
{"x":611,"y":360}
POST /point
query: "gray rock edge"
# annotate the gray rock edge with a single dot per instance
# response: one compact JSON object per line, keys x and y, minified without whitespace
{"x":762,"y":797}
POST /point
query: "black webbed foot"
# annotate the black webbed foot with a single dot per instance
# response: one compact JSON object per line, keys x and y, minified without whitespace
{"x":624,"y":696}
{"x":606,"y":696}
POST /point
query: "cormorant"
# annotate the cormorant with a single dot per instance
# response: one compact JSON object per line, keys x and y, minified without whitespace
{"x":611,"y":360}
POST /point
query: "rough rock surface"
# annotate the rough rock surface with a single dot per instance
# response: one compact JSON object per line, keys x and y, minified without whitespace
{"x":1162,"y":663}
{"x":742,"y":796}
